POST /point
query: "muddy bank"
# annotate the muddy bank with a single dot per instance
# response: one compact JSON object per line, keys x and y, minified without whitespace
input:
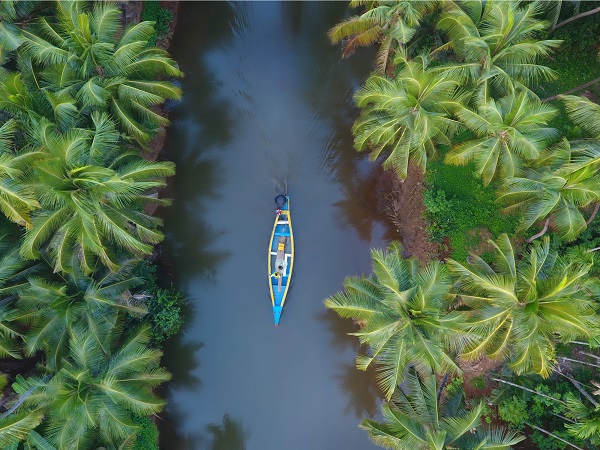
{"x":404,"y":207}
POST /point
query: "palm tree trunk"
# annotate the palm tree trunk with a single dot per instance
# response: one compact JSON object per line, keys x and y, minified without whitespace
{"x":541,"y":233}
{"x":527,"y":389}
{"x":553,"y":435}
{"x":591,"y":355}
{"x":575,"y":383}
{"x":578,"y":361}
{"x":593,"y":213}
{"x":578,"y":16}
{"x":571,"y":91}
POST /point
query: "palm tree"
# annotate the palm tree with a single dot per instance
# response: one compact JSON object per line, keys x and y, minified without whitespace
{"x":584,"y":113}
{"x":399,"y":309}
{"x":18,"y":427}
{"x":586,"y":419}
{"x":420,"y":418}
{"x":92,"y":197}
{"x":496,"y":45}
{"x":390,"y":24}
{"x":16,"y":200}
{"x":90,"y":400}
{"x":506,"y":132}
{"x":52,"y":308}
{"x":519,"y":308}
{"x":14,"y":272}
{"x":562,"y":182}
{"x":83,"y":61}
{"x":408,"y":115}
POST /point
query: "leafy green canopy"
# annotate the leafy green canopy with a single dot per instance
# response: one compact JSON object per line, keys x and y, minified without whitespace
{"x":90,"y":400}
{"x":520,"y":308}
{"x":420,"y":419}
{"x":401,"y":316}
{"x":81,"y":61}
{"x":558,"y":186}
{"x":507,"y":133}
{"x":496,"y":45}
{"x":409,"y":115}
{"x":91,"y":197}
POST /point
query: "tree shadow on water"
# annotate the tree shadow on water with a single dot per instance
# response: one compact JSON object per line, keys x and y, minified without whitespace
{"x":360,"y":386}
{"x":362,"y":389}
{"x":229,"y":435}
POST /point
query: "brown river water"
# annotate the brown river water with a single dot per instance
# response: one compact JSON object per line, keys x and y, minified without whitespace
{"x":267,"y":102}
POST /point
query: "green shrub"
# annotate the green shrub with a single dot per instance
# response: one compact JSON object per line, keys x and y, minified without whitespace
{"x":514,"y":411}
{"x":478,"y":382}
{"x":576,"y":61}
{"x":161,"y":17}
{"x":147,"y":435}
{"x":164,"y":313}
{"x":544,"y":442}
{"x":457,"y":203}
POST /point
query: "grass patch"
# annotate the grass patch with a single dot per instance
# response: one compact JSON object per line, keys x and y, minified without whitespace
{"x":147,"y":435}
{"x":478,"y":382}
{"x":161,"y":17}
{"x":456,"y":203}
{"x":576,"y":61}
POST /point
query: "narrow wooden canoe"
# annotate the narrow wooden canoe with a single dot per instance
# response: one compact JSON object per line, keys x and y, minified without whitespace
{"x":281,"y":258}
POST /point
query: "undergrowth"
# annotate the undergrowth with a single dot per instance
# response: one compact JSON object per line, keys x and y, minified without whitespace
{"x":457,"y":203}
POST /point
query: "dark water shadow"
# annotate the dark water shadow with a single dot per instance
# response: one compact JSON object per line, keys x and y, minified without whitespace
{"x":229,"y":435}
{"x":361,"y":387}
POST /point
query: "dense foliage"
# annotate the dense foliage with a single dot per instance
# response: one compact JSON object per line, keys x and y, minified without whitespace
{"x":79,"y":95}
{"x":462,"y":104}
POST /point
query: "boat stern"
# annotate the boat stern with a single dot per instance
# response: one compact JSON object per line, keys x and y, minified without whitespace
{"x":277,"y":314}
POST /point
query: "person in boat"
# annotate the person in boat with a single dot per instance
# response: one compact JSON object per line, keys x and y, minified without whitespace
{"x":280,"y":201}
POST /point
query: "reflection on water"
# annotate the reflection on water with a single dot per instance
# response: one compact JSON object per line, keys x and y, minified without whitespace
{"x":267,"y":102}
{"x":229,"y":435}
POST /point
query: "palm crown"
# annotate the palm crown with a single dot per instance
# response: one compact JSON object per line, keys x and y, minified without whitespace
{"x":520,"y":308}
{"x":507,"y":132}
{"x":84,"y":62}
{"x":562,"y":182}
{"x":399,"y":309}
{"x":420,"y":418}
{"x":51,"y":308}
{"x":408,"y":115}
{"x":90,"y":399}
{"x":91,"y":197}
{"x":496,"y":45}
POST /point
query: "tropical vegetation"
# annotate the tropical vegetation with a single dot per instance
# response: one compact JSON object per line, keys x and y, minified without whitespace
{"x":80,"y":96}
{"x":513,"y":192}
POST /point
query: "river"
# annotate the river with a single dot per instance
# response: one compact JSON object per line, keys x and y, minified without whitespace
{"x":267,"y":102}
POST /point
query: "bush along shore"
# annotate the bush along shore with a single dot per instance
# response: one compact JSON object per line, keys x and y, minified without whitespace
{"x":490,"y":340}
{"x":83,"y":309}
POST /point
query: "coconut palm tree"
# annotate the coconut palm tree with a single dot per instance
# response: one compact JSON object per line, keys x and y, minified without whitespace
{"x":584,"y":113}
{"x":389,"y":24}
{"x":53,"y":307}
{"x":558,"y":186}
{"x":586,"y":419}
{"x":14,"y":272}
{"x":507,"y":133}
{"x":421,"y":418}
{"x":407,"y":115}
{"x":16,"y":200}
{"x":83,"y":61}
{"x":520,"y":307}
{"x":399,"y":309}
{"x":496,"y":45}
{"x":92,"y":196}
{"x":89,"y":400}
